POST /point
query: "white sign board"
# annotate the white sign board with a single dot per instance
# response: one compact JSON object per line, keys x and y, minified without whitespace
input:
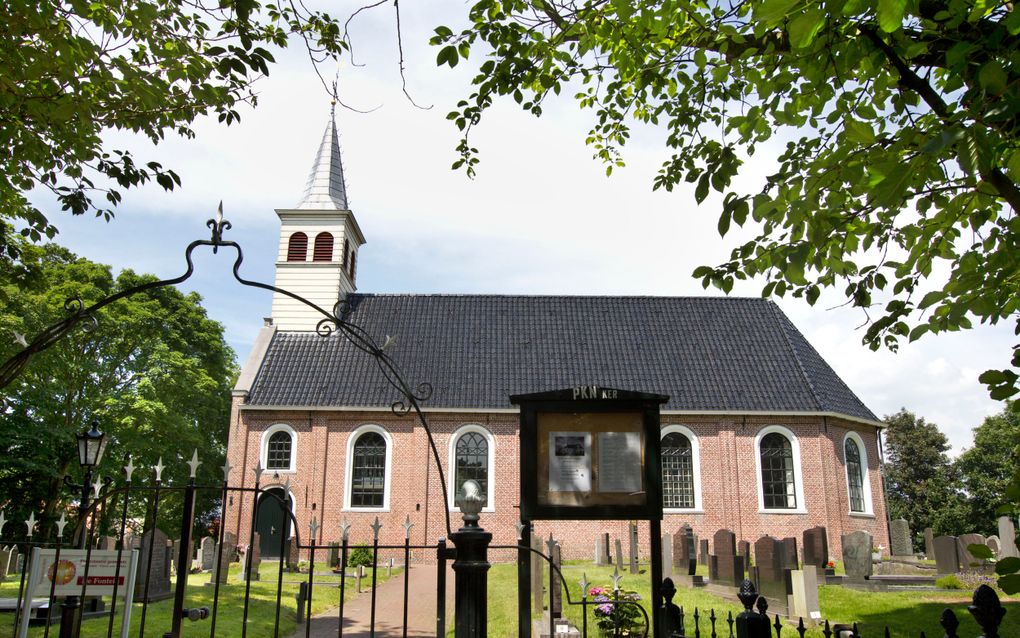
{"x":66,"y":576}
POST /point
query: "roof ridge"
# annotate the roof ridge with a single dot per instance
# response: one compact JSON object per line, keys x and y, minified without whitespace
{"x":793,"y":351}
{"x":553,"y":296}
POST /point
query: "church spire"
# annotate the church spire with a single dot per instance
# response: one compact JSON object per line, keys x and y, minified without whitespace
{"x":325,"y":189}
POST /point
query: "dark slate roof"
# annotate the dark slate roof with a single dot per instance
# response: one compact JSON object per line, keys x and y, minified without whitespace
{"x":706,"y":353}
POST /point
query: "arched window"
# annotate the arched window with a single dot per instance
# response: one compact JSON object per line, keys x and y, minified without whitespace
{"x":778,"y":481}
{"x":368,"y":468}
{"x":278,"y":449}
{"x":681,"y":487}
{"x":323,"y":247}
{"x":472,"y":457}
{"x":297,"y":247}
{"x":855,"y":456}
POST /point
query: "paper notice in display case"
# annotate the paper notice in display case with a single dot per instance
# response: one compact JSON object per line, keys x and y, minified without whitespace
{"x":620,"y":462}
{"x":569,"y":462}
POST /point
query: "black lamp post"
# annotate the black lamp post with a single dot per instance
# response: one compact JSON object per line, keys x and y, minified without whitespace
{"x":91,"y":445}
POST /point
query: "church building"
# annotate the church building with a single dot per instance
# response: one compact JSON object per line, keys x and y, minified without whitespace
{"x":759,"y":435}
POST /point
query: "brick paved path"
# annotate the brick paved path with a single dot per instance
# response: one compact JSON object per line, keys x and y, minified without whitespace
{"x":421,"y":612}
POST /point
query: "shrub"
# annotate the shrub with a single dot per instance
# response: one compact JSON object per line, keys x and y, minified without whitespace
{"x":949,"y":581}
{"x":609,"y":614}
{"x":361,"y":555}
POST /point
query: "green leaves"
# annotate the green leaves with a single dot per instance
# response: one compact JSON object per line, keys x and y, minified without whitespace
{"x":890,"y":14}
{"x":805,"y":27}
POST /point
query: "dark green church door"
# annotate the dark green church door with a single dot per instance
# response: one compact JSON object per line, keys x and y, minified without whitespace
{"x":273,"y":524}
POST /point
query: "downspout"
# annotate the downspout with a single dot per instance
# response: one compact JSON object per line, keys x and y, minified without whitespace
{"x":885,"y":493}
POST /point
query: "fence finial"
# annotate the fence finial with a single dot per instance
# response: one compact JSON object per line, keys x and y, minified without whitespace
{"x":987,"y":611}
{"x":30,"y":523}
{"x":472,"y":502}
{"x":3,"y":521}
{"x":949,"y":622}
{"x":345,"y":529}
{"x":194,"y":463}
{"x":158,"y":467}
{"x":61,"y":524}
{"x":129,"y":469}
{"x":226,"y":470}
{"x":747,"y":594}
{"x":407,"y":527}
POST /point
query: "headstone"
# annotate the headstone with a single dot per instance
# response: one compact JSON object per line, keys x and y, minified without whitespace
{"x":857,"y":555}
{"x":619,"y":554}
{"x":334,"y":554}
{"x":667,"y":555}
{"x":729,"y":566}
{"x":901,"y":543}
{"x":600,"y":550}
{"x":632,"y":535}
{"x":176,"y":557}
{"x":816,"y":549}
{"x":1007,"y":537}
{"x":106,"y":543}
{"x":293,"y":554}
{"x":206,"y":553}
{"x":804,"y":601}
{"x":12,"y":562}
{"x":683,"y":551}
{"x":703,"y":551}
{"x":5,"y":559}
{"x":556,"y":596}
{"x":744,"y":549}
{"x":225,"y":553}
{"x":769,"y":554}
{"x":969,"y":562}
{"x":606,"y":558}
{"x":929,"y":543}
{"x":947,"y":554}
{"x":992,"y":542}
{"x":152,"y":582}
{"x":537,"y":567}
{"x":251,"y":571}
{"x":790,"y":553}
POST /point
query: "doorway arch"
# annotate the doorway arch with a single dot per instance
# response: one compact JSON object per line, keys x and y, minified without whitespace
{"x":273,"y":523}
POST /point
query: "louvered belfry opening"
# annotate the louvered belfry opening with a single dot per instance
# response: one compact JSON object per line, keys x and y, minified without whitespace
{"x":297,"y":247}
{"x":323,"y":247}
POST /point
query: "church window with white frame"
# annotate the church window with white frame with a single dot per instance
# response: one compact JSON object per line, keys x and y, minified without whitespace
{"x":681,"y":481}
{"x":472,"y":457}
{"x":368,"y":469}
{"x":855,"y":457}
{"x":278,"y":449}
{"x":780,"y":484}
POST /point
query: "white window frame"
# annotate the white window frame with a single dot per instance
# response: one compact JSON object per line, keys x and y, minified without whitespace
{"x":798,"y":472}
{"x":695,"y":467}
{"x":869,"y":511}
{"x":349,"y":471}
{"x":452,"y":465}
{"x":264,"y":448}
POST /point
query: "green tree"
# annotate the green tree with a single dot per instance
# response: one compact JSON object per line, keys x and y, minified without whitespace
{"x":71,"y":71}
{"x":919,"y":478}
{"x":898,"y":182}
{"x":987,"y":467}
{"x":153,"y":370}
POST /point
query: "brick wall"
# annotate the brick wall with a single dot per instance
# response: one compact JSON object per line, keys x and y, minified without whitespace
{"x":728,"y":474}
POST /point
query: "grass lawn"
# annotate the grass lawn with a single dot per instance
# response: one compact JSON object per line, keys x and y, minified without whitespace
{"x":261,"y":610}
{"x":906,"y":613}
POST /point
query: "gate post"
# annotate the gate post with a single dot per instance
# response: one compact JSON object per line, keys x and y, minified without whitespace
{"x":184,"y":552}
{"x":471,"y":567}
{"x":751,"y":624}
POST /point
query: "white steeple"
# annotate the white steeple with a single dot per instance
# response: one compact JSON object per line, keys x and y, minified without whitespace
{"x":325,"y":188}
{"x":319,"y":242}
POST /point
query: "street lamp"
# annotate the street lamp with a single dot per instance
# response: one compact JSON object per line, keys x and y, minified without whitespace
{"x":91,"y":445}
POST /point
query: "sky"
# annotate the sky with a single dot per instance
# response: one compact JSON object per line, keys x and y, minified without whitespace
{"x":541,"y":217}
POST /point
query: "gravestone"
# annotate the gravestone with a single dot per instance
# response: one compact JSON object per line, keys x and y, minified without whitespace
{"x":900,"y":541}
{"x":816,"y":549}
{"x":929,"y":543}
{"x":683,"y":551}
{"x":804,"y":601}
{"x":744,"y":549}
{"x":13,"y":565}
{"x":768,"y":570}
{"x":334,"y":554}
{"x":293,"y":554}
{"x":252,"y":571}
{"x":607,"y":558}
{"x":206,"y":553}
{"x":632,"y":534}
{"x":857,"y":555}
{"x":600,"y":550}
{"x":106,"y":543}
{"x":992,"y":543}
{"x":947,"y":555}
{"x":176,"y":557}
{"x":537,"y":567}
{"x":225,"y":552}
{"x":152,"y":582}
{"x":556,"y":596}
{"x":728,"y":566}
{"x":790,"y":553}
{"x":969,"y":562}
{"x":703,"y":551}
{"x":667,"y":555}
{"x":5,"y":559}
{"x":619,"y":554}
{"x":1007,"y":537}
